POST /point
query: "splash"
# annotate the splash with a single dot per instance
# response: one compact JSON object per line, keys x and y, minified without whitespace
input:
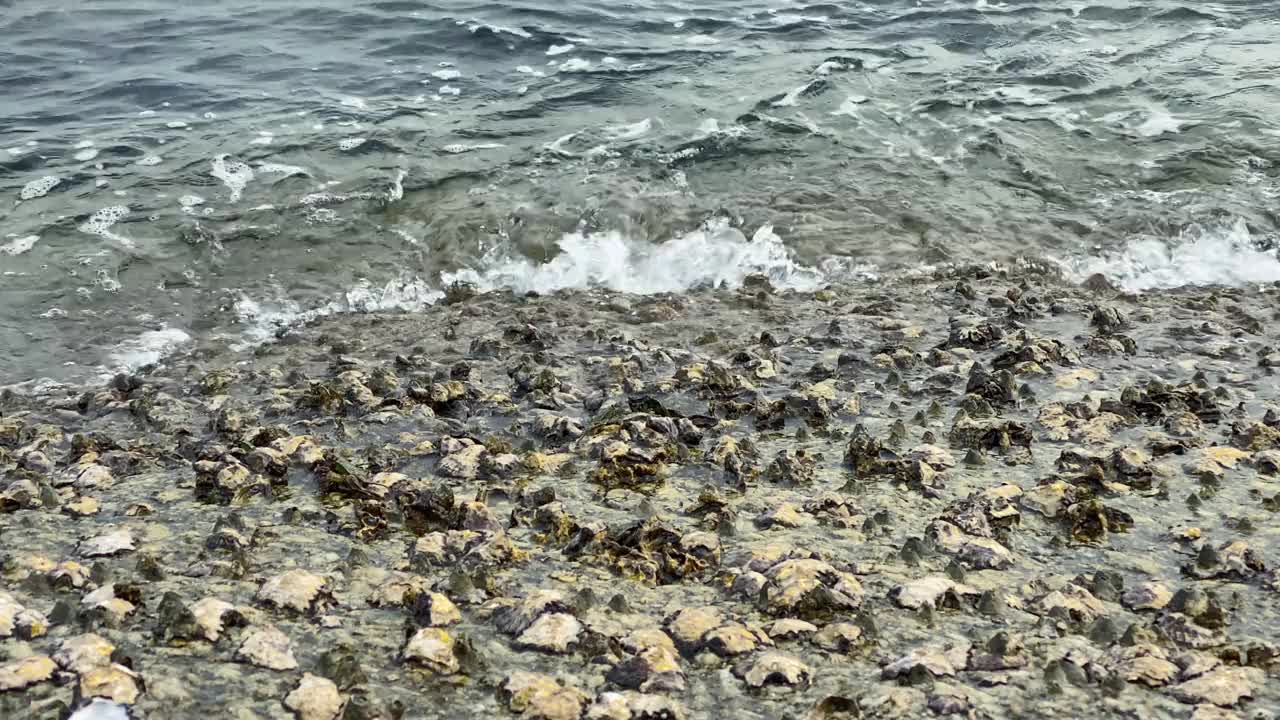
{"x":713,"y":255}
{"x":148,"y":348}
{"x":1228,"y":256}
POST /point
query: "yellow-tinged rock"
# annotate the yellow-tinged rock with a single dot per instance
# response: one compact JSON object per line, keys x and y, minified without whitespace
{"x":1075,"y":378}
{"x":26,"y":672}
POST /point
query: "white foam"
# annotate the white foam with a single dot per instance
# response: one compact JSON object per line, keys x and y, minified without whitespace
{"x":561,"y":49}
{"x":234,"y":174}
{"x":17,"y":246}
{"x":574,"y":65}
{"x":629,"y":132}
{"x":285,"y":170}
{"x":1228,"y":256}
{"x":39,"y":187}
{"x":150,"y":161}
{"x":716,"y":254}
{"x":448,"y":90}
{"x":1158,"y":122}
{"x":190,"y":201}
{"x":101,"y":222}
{"x":264,"y":322}
{"x":349,"y":144}
{"x":459,"y":148}
{"x":396,"y":191}
{"x":713,"y":255}
{"x":148,"y":348}
{"x":101,"y":709}
{"x":86,"y":155}
{"x":701,"y":40}
{"x":446,"y":74}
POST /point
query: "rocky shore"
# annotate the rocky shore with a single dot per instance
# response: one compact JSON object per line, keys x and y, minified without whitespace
{"x":985,"y":492}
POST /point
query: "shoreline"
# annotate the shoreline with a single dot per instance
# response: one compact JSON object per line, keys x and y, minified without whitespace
{"x":972,"y":492}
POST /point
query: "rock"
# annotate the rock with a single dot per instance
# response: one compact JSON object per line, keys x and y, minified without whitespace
{"x":839,"y":637}
{"x":1224,"y":687}
{"x":653,"y":668}
{"x":1048,"y":499}
{"x":1146,"y":596}
{"x":82,"y":507}
{"x":515,"y":617}
{"x":315,"y":698}
{"x":790,"y":629}
{"x":21,"y":494}
{"x":809,"y":589}
{"x":26,"y":672}
{"x":210,"y":614}
{"x":634,"y":706}
{"x":111,"y":608}
{"x":688,"y":627}
{"x":521,"y":686}
{"x":435,"y":610}
{"x":463,"y":464}
{"x":933,"y":591}
{"x":936,"y":660}
{"x":266,"y":646}
{"x":295,"y":590}
{"x":1073,"y":603}
{"x":985,"y":554}
{"x":553,"y":632}
{"x":10,"y":608}
{"x":539,"y":697}
{"x":774,"y":668}
{"x":730,"y":640}
{"x":113,"y":543}
{"x":81,"y":653}
{"x":560,"y":704}
{"x":432,"y":648}
{"x":113,"y":682}
{"x":785,"y":515}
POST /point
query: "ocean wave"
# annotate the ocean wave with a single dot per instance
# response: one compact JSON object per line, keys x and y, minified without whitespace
{"x":1227,"y":255}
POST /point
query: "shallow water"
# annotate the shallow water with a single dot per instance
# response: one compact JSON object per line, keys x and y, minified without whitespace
{"x":228,"y":169}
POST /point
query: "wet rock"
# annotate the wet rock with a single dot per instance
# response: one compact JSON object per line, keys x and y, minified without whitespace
{"x":634,"y":706}
{"x":434,"y":609}
{"x":115,"y":542}
{"x":113,"y":682}
{"x":1072,"y":603}
{"x":513,"y":617}
{"x":1143,"y":664}
{"x":1003,"y":651}
{"x":791,"y":469}
{"x":774,"y":668}
{"x":688,"y":627}
{"x":210,"y":614}
{"x":21,"y":494}
{"x":266,"y":646}
{"x":432,"y":648}
{"x":315,"y":698}
{"x":1147,"y":596}
{"x":81,"y":653}
{"x":936,"y":591}
{"x":653,"y":668}
{"x":296,"y":590}
{"x":551,"y":632}
{"x":1224,"y":687}
{"x":809,"y":589}
{"x":784,"y":516}
{"x":107,"y":606}
{"x":539,"y":697}
{"x":838,"y":637}
{"x":463,"y":464}
{"x":790,"y":629}
{"x":24,"y":673}
{"x":1185,"y":631}
{"x":938,"y":661}
{"x":730,"y":640}
{"x":1232,"y":561}
{"x":985,"y":554}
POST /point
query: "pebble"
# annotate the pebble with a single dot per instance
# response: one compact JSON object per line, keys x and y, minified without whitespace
{"x":267,"y":647}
